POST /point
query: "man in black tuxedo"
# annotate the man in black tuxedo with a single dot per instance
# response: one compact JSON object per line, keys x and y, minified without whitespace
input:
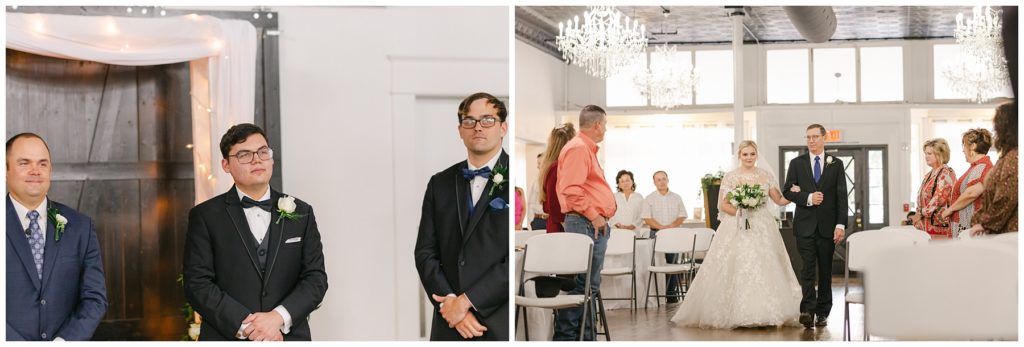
{"x":819,"y":223}
{"x":462,"y":248}
{"x":55,"y":284}
{"x":254,"y":264}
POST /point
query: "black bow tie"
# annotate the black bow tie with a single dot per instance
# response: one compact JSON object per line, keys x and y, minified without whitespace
{"x":265,"y":204}
{"x":471,"y":174}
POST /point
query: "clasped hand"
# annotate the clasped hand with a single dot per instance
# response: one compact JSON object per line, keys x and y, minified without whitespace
{"x":263,"y":326}
{"x":455,"y":311}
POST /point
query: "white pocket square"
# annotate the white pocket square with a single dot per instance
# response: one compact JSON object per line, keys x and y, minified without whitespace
{"x":293,"y":240}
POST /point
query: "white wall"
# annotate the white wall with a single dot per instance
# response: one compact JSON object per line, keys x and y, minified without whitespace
{"x":356,"y":83}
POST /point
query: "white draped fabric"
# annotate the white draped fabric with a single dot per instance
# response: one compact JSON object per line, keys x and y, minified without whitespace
{"x":222,"y":56}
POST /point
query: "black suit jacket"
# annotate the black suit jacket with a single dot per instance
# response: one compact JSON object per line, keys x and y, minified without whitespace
{"x":71,"y":298}
{"x":832,"y":211}
{"x":223,"y":281}
{"x":457,"y":253}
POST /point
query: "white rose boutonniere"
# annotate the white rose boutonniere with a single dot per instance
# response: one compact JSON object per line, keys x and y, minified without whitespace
{"x":59,"y":222}
{"x":828,"y":161}
{"x":286,"y":207}
{"x":497,"y":177}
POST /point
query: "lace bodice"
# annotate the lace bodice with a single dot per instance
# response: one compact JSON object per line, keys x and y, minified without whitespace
{"x":738,"y":177}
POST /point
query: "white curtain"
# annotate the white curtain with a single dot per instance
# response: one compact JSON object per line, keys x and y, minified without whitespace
{"x":222,"y":56}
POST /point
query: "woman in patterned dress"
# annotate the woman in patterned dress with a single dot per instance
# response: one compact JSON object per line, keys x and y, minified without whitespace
{"x":936,"y":190}
{"x":966,"y":199}
{"x":999,"y":214}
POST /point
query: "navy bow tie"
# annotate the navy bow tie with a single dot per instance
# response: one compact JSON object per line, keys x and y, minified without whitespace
{"x":264,"y":205}
{"x":471,"y":174}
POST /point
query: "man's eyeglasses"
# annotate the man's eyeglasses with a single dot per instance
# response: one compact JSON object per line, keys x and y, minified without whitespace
{"x":814,"y":137}
{"x":245,"y":157}
{"x":486,"y":122}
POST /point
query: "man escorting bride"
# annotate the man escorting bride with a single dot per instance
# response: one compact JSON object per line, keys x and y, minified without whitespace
{"x":746,"y":279}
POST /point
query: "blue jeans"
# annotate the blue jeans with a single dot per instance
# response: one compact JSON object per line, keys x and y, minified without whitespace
{"x":567,"y":320}
{"x":672,"y":281}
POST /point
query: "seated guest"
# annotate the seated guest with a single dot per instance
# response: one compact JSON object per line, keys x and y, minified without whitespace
{"x":936,"y":190}
{"x":549,"y":175}
{"x":966,"y":199}
{"x":999,"y":211}
{"x":664,"y":209}
{"x":538,"y":219}
{"x":630,"y":203}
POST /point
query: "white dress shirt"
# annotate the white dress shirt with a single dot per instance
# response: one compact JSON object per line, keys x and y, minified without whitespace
{"x":821,"y":161}
{"x":22,"y":212}
{"x":629,"y":210}
{"x":664,"y":209}
{"x":476,"y":186}
{"x":259,"y":222}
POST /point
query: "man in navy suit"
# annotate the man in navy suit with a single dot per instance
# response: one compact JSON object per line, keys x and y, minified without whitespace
{"x":55,"y":284}
{"x":462,"y":246}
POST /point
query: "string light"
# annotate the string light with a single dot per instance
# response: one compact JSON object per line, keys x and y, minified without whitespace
{"x":129,"y":10}
{"x":256,"y":15}
{"x":163,"y":12}
{"x":144,"y":10}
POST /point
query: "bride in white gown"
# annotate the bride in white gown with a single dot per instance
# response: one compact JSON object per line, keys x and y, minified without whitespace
{"x":746,"y":279}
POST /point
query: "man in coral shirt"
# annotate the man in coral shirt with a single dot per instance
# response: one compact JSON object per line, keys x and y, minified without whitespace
{"x":588,"y":203}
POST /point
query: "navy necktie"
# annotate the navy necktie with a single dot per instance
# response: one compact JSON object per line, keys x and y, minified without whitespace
{"x":263,"y":205}
{"x":817,"y":169}
{"x":471,"y":174}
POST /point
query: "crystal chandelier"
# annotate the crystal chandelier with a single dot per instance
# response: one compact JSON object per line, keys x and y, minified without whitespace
{"x":667,"y":84}
{"x":604,"y":44}
{"x":979,"y":72}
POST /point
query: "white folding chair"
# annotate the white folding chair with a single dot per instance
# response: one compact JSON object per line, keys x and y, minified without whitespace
{"x":702,"y":243}
{"x":522,"y":236}
{"x":674,"y":240}
{"x":622,"y":242}
{"x":861,"y":246}
{"x":556,"y":254}
{"x":911,"y":295}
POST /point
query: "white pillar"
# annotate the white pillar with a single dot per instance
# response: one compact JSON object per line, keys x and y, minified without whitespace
{"x":737,"y":16}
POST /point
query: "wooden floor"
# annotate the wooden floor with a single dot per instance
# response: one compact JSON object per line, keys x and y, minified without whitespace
{"x":654,"y":324}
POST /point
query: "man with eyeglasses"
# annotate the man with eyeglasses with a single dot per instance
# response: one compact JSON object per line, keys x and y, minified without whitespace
{"x":462,"y":248}
{"x":254,"y":263}
{"x":819,"y":222}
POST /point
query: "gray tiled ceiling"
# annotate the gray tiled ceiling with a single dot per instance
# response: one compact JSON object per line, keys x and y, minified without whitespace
{"x":711,"y":24}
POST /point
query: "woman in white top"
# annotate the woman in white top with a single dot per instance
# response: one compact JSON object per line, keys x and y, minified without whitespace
{"x":629,"y":202}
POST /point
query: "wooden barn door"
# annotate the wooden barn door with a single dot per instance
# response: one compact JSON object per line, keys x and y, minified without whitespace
{"x":120,"y":144}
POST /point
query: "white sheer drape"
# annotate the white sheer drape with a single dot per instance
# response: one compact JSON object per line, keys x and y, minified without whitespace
{"x":223,"y":67}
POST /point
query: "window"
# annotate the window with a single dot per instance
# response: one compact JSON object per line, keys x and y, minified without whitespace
{"x":674,"y":148}
{"x":953,"y":131}
{"x":835,"y":75}
{"x":621,"y":90}
{"x":787,"y":76}
{"x":716,"y":78}
{"x":881,"y":74}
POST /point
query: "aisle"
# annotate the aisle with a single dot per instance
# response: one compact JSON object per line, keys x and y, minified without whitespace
{"x":656,"y":325}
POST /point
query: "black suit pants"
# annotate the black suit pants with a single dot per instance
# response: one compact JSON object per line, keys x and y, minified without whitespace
{"x":816,"y":252}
